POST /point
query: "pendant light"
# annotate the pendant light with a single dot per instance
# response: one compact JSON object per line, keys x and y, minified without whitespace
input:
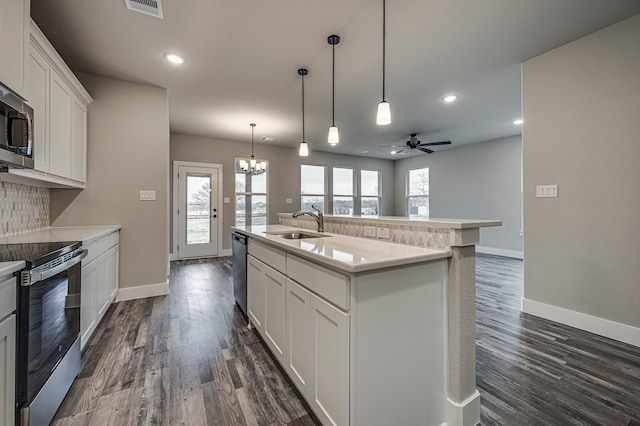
{"x":334,"y":136}
{"x":253,"y":167}
{"x":384,"y":110}
{"x":304,"y":148}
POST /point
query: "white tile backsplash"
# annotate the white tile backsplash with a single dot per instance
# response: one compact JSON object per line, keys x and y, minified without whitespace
{"x":23,"y":208}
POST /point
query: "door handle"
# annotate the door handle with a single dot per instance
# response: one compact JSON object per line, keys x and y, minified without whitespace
{"x":214,"y":216}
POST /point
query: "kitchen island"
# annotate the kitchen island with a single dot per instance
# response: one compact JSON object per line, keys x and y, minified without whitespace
{"x":359,"y":325}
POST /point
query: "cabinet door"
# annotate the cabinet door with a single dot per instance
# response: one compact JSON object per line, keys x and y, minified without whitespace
{"x":255,"y":292}
{"x":275,"y":327}
{"x":329,"y":330}
{"x":38,"y":94}
{"x":78,"y":141}
{"x":112,"y":272}
{"x":102,"y":288}
{"x":88,"y":311}
{"x":60,"y":100}
{"x":14,"y":43}
{"x":298,"y":338}
{"x":7,"y":370}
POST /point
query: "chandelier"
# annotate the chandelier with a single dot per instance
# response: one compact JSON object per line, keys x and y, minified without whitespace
{"x":253,"y":167}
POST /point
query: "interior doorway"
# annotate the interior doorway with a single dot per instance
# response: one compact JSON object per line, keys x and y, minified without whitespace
{"x":197,"y":213}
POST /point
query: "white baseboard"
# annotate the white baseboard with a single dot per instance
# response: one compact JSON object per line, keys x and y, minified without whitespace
{"x":173,"y":256}
{"x":465,"y":413}
{"x":142,"y":291}
{"x":604,"y":327}
{"x":500,"y":252}
{"x":225,"y":252}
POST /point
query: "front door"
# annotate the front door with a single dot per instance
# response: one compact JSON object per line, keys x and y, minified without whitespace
{"x":197,"y":212}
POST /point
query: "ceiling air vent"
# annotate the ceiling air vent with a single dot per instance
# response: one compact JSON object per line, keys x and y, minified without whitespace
{"x":148,"y":7}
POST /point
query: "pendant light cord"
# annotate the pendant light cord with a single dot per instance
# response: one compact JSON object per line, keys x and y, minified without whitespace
{"x":384,"y":46}
{"x":333,"y":87}
{"x":252,"y":128}
{"x":303,"y":108}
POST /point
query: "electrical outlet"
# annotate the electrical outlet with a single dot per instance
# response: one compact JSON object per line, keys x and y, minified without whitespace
{"x":289,"y":200}
{"x":546,"y":191}
{"x":370,"y":231}
{"x":383,"y":232}
{"x":147,"y":195}
{"x":521,"y":233}
{"x":226,"y":200}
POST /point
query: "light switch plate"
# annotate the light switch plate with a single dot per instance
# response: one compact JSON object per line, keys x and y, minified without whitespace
{"x":370,"y":231}
{"x":383,"y":232}
{"x":226,"y":200}
{"x":289,"y":200}
{"x":147,"y":195}
{"x":546,"y":191}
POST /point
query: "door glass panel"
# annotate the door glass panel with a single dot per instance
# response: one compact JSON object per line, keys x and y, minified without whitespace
{"x":198,"y":209}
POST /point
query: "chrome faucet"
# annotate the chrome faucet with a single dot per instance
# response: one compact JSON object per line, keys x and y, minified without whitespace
{"x":319,"y":217}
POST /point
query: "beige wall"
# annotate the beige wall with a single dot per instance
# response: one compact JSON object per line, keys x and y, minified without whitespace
{"x":284,"y":171}
{"x":128,"y":150}
{"x":581,"y":105}
{"x":478,"y":181}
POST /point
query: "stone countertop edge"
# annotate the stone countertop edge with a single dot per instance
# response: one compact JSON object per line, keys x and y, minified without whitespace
{"x":402,"y":220}
{"x":410,"y":254}
{"x":86,"y":234}
{"x":8,"y":268}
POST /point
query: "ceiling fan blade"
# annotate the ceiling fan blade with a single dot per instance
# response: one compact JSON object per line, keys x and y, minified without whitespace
{"x":436,"y":143}
{"x":427,"y":150}
{"x":400,"y":151}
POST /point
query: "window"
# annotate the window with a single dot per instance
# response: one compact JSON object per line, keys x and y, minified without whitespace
{"x":418,"y":192}
{"x":369,"y":192}
{"x":343,"y":196}
{"x":251,"y":198}
{"x":312,"y":186}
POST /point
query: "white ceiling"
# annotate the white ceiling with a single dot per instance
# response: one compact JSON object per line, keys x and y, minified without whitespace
{"x":243,"y":55}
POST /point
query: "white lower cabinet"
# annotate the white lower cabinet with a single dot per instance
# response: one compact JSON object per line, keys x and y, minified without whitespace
{"x":298,"y":337}
{"x":8,"y":290}
{"x":275,"y":319}
{"x":255,"y":293}
{"x":99,"y":283}
{"x":7,"y":369}
{"x":329,"y":336}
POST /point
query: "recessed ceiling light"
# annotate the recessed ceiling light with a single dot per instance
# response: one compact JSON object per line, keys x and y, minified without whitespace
{"x":518,"y":122}
{"x":174,"y":59}
{"x":267,"y":138}
{"x":362,"y":151}
{"x":394,"y":152}
{"x":450,"y":98}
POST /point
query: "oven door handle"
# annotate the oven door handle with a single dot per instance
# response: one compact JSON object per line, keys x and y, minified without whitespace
{"x":36,"y":275}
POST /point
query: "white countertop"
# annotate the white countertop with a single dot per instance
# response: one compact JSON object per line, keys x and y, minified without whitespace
{"x":350,"y":254}
{"x":404,"y":220}
{"x":86,"y":234}
{"x":8,"y":268}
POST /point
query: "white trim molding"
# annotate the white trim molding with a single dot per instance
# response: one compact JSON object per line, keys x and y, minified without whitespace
{"x":142,"y":291}
{"x":225,"y":252}
{"x":465,"y":413}
{"x":500,"y":252}
{"x":603,"y":327}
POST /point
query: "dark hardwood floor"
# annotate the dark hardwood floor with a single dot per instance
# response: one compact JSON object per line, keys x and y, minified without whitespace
{"x":531,"y":371}
{"x":188,"y":358}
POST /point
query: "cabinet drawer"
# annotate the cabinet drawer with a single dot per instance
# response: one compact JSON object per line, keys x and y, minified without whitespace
{"x":330,"y":285}
{"x":114,"y":239}
{"x":103,"y":245}
{"x":271,"y":256}
{"x":8,"y":289}
{"x":92,"y":249}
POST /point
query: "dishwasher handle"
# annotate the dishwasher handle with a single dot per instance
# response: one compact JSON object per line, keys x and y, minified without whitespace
{"x":242,"y":239}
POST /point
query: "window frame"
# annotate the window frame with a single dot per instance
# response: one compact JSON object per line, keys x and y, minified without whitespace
{"x":408,"y":195}
{"x":353,"y":194}
{"x":325,"y":195}
{"x":361,"y":196}
{"x":249,"y":194}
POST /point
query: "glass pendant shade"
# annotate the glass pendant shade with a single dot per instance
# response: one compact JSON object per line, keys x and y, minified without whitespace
{"x":384,"y":114}
{"x":252,"y":162}
{"x":334,"y":136}
{"x":304,"y":149}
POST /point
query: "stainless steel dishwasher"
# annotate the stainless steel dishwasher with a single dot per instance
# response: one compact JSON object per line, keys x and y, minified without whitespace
{"x":239,"y":260}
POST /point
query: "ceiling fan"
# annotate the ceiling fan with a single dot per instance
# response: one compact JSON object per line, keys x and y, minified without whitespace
{"x":414,"y":143}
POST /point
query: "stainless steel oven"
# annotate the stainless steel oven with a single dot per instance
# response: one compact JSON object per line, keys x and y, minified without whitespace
{"x":48,"y":326}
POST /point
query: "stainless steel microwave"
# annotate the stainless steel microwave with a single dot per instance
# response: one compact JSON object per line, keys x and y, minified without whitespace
{"x":16,"y":131}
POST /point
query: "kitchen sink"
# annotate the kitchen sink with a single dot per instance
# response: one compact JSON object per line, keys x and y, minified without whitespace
{"x":296,"y":235}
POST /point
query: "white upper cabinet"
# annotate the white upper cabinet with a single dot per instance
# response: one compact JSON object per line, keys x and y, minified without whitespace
{"x":60,"y":119}
{"x":14,"y":43}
